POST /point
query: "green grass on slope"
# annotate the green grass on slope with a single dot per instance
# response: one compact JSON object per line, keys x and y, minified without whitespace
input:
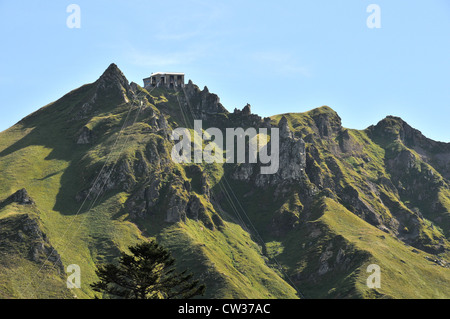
{"x":405,"y":273}
{"x":230,"y":262}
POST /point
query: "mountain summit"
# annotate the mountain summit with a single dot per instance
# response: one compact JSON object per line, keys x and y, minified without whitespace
{"x":91,"y":174}
{"x":113,"y":76}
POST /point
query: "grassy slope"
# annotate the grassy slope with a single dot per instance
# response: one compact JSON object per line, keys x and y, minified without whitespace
{"x":230,"y":262}
{"x":404,"y":273}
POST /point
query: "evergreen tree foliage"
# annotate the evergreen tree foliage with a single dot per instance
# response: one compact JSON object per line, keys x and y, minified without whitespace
{"x":148,"y":273}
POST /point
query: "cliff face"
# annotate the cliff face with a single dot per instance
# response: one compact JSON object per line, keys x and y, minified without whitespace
{"x":27,"y":255}
{"x":98,"y":166}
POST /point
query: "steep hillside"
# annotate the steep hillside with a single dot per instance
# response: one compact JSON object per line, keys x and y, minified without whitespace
{"x":93,"y":158}
{"x":91,"y":173}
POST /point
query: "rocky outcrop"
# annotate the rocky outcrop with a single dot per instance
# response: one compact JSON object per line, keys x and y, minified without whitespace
{"x":196,"y":210}
{"x":245,"y":118}
{"x":85,"y":136}
{"x":348,"y":144}
{"x":111,"y":88}
{"x":23,"y":234}
{"x":117,"y":176}
{"x":86,"y":108}
{"x":177,"y":207}
{"x":351,"y":198}
{"x":291,"y":159}
{"x":203,"y":102}
{"x":163,"y":125}
{"x":41,"y":250}
{"x":113,"y":78}
{"x":327,"y":122}
{"x":142,"y":202}
{"x":127,"y":172}
{"x":292,"y":155}
{"x":393,"y":128}
{"x":21,"y":197}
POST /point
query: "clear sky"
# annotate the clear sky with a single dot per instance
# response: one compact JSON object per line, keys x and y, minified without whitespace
{"x":279,"y":56}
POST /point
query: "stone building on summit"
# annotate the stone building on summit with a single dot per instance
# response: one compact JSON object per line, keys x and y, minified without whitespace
{"x":169,"y":80}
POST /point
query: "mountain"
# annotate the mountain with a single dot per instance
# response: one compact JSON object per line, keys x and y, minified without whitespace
{"x":90,"y":174}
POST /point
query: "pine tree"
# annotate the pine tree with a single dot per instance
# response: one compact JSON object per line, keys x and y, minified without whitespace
{"x":148,"y":273}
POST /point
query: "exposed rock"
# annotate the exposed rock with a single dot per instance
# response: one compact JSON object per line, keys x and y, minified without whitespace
{"x":340,"y":256}
{"x":113,"y":176}
{"x":438,"y":261}
{"x":140,"y":204}
{"x":203,"y":102}
{"x":205,"y":185}
{"x":41,"y":250}
{"x":324,"y":260}
{"x":395,"y":129}
{"x":195,"y":208}
{"x":247,"y":110}
{"x":111,"y":87}
{"x":243,"y":172}
{"x":85,"y":136}
{"x":113,"y":78}
{"x":176,"y":211}
{"x":327,"y":121}
{"x":21,"y":197}
{"x":86,"y":108}
{"x":22,"y":235}
{"x":134,"y":87}
{"x":350,"y":197}
{"x":348,"y":144}
{"x":197,"y":211}
{"x":285,"y":131}
{"x":163,"y":125}
{"x":291,"y":160}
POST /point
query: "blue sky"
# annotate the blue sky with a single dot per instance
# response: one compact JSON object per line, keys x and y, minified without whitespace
{"x":279,"y":56}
